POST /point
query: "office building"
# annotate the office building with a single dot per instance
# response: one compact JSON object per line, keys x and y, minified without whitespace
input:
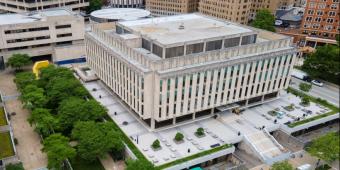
{"x":320,"y":24}
{"x":166,"y":7}
{"x":176,"y":69}
{"x":236,"y":11}
{"x":20,"y":6}
{"x":127,"y":3}
{"x":56,"y":35}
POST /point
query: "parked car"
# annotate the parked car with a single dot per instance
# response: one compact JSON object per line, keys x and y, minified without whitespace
{"x":317,"y":82}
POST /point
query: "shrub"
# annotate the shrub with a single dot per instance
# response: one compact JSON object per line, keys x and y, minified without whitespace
{"x":305,"y":87}
{"x":17,"y":166}
{"x":199,"y":132}
{"x":156,"y":144}
{"x":305,"y":101}
{"x":179,"y":136}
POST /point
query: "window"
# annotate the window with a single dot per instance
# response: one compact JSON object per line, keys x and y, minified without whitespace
{"x":63,"y":26}
{"x":232,"y":42}
{"x":146,"y":44}
{"x":64,"y":35}
{"x":249,"y":39}
{"x":174,"y":52}
{"x":331,"y":13}
{"x":157,"y":50}
{"x":213,"y":45}
{"x":194,"y":48}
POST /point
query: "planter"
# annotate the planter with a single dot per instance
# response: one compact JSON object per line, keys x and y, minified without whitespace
{"x":200,"y":136}
{"x":156,"y":149}
{"x":178,"y":141}
{"x":288,"y":108}
{"x":304,"y":105}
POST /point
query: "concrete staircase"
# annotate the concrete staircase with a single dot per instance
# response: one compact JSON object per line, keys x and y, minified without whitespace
{"x":266,"y":147}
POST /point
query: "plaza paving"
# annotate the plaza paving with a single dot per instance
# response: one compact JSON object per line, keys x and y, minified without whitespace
{"x":223,"y":130}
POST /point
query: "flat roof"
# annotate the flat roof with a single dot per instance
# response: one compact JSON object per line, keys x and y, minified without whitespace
{"x":120,"y":13}
{"x":195,"y":27}
{"x":7,"y":19}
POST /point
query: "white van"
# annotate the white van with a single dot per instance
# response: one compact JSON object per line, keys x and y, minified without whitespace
{"x":304,"y":167}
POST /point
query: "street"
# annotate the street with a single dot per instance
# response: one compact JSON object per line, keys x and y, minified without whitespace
{"x":327,"y":92}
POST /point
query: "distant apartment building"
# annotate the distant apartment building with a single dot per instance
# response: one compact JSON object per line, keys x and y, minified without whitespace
{"x":127,"y":3}
{"x":19,"y":6}
{"x":171,"y":7}
{"x":56,"y":35}
{"x":320,"y":24}
{"x":176,"y":69}
{"x":240,"y":11}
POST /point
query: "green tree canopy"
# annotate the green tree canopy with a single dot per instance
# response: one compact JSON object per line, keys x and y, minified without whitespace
{"x":51,"y":72}
{"x":95,"y":5}
{"x":96,"y":139}
{"x":264,"y":19}
{"x":44,"y":121}
{"x":17,"y":61}
{"x":324,"y":64}
{"x":75,"y":109}
{"x":61,"y":88}
{"x":326,"y":147}
{"x":282,"y":166}
{"x":58,"y":150}
{"x":23,"y":79}
{"x":33,"y":97}
{"x":139,"y":165}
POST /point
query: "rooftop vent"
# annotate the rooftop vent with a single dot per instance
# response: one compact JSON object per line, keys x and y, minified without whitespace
{"x":181,"y":27}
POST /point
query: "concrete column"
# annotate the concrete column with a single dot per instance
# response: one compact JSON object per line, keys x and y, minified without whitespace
{"x":174,"y":121}
{"x":262,"y":98}
{"x":194,"y":116}
{"x":152,"y":124}
{"x":212,"y":111}
{"x":247,"y":101}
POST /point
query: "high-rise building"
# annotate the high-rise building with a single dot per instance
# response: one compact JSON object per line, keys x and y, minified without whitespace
{"x":237,"y":11}
{"x":320,"y":23}
{"x":127,"y":3}
{"x":166,"y":7}
{"x":177,"y":69}
{"x":56,"y":35}
{"x":19,"y":6}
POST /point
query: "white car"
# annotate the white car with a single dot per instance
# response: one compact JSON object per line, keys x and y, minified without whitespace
{"x":317,"y":82}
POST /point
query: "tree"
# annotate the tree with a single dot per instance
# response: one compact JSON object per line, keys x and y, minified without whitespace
{"x":199,"y":131}
{"x":179,"y":136}
{"x":61,"y":88}
{"x":51,"y":72}
{"x":264,"y":19}
{"x":33,"y":97}
{"x":96,"y":139}
{"x":324,"y":64}
{"x":156,"y":144}
{"x":94,"y":5}
{"x":44,"y":121}
{"x":326,"y":147}
{"x":23,"y":79}
{"x":139,"y":165}
{"x":282,"y":166}
{"x":17,"y":61}
{"x":305,"y":87}
{"x":75,"y":109}
{"x":58,"y":150}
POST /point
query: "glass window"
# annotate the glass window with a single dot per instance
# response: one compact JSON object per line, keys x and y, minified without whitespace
{"x":213,"y":45}
{"x":232,"y":42}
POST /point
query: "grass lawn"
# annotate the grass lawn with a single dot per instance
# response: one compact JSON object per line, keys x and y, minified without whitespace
{"x":2,"y":117}
{"x":81,"y":164}
{"x":6,"y":147}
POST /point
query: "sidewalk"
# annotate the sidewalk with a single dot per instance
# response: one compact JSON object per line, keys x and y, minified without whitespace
{"x":109,"y":163}
{"x":29,"y":146}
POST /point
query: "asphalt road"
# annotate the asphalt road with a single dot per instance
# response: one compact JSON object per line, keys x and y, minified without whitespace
{"x":327,"y":92}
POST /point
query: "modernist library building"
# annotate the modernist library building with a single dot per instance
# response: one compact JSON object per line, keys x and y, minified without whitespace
{"x":176,"y":69}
